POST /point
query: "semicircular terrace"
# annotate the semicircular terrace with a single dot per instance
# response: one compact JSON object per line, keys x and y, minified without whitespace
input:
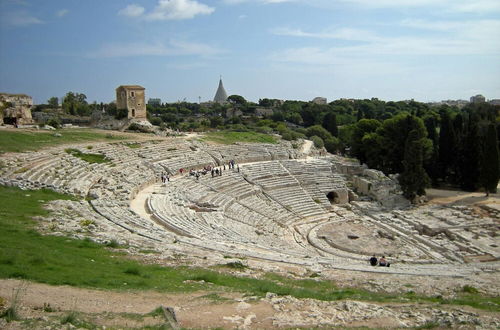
{"x":276,"y":204}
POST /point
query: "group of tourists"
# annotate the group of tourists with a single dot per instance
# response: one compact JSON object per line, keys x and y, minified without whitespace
{"x":381,"y":262}
{"x":214,"y":171}
{"x":164,"y":177}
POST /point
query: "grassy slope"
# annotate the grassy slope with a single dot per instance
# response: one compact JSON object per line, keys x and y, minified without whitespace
{"x":18,"y":141}
{"x":232,"y":137}
{"x":24,"y":253}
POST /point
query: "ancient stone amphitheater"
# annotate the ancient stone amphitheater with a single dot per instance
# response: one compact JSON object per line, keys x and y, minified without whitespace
{"x":282,"y":205}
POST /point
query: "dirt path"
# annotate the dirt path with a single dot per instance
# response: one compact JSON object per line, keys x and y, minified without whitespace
{"x":457,"y":197}
{"x":218,"y":309}
{"x":138,"y":204}
{"x":193,"y":310}
{"x":306,"y":147}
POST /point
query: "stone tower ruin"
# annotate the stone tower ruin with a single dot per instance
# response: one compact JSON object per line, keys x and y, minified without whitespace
{"x":132,"y":98}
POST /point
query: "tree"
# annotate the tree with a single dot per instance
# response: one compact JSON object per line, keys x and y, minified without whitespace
{"x":53,"y":102}
{"x":333,"y":145}
{"x":362,"y":127}
{"x":295,"y":118}
{"x":311,"y":114}
{"x":75,"y":103}
{"x":413,"y":179}
{"x":432,"y":164}
{"x":237,"y":100}
{"x":265,"y":102}
{"x":330,"y":124}
{"x":318,"y":142}
{"x":490,"y":165}
{"x":447,"y":146}
{"x":393,"y":133}
{"x":318,"y":130}
{"x":470,"y":157}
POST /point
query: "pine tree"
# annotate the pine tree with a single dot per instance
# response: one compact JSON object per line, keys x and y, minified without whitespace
{"x":414,"y":179}
{"x":490,"y":164}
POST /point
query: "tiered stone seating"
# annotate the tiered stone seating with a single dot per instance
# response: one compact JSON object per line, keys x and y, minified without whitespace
{"x":296,"y":201}
{"x":186,"y":159}
{"x":268,"y":208}
{"x":271,"y":209}
{"x":121,"y":216}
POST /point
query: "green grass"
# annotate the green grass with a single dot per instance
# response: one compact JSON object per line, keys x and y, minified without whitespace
{"x":26,"y":254}
{"x":215,"y":297}
{"x":134,"y":145}
{"x":89,"y":158}
{"x":228,"y":137}
{"x":23,"y":140}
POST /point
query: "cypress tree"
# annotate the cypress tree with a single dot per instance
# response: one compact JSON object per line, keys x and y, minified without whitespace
{"x":490,"y":164}
{"x":432,"y":164}
{"x":470,"y":158}
{"x":447,"y":146}
{"x":414,"y":179}
{"x":330,"y":124}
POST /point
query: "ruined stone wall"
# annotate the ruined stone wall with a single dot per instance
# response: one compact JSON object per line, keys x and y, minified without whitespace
{"x":136,"y":104}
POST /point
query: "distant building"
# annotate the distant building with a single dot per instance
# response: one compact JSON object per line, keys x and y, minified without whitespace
{"x":132,"y":98}
{"x":221,"y":95}
{"x":154,"y":102}
{"x":319,"y":100}
{"x":477,"y":99}
{"x":452,"y":103}
{"x":495,"y":102}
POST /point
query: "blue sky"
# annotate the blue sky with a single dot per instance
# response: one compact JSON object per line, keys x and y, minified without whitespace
{"x":428,"y":50}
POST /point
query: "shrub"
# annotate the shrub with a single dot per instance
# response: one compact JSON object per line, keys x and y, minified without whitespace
{"x":54,"y":122}
{"x":132,"y":271}
{"x":156,"y":121}
{"x":86,"y":223}
{"x":298,"y":135}
{"x":332,"y":145}
{"x":69,"y":318}
{"x":469,"y":289}
{"x":236,"y":265}
{"x":264,"y":129}
{"x":121,"y":113}
{"x":112,"y":244}
{"x":138,"y":128}
{"x":318,"y":142}
{"x":287,"y":136}
{"x":318,"y":130}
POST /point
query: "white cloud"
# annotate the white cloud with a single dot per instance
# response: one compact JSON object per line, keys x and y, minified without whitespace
{"x":453,"y":38}
{"x":237,"y":2}
{"x":179,"y":9}
{"x":62,"y":12}
{"x":173,"y":48}
{"x":132,"y":11}
{"x":476,"y":6}
{"x":343,"y":33}
{"x":19,"y":19}
{"x":168,"y":10}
